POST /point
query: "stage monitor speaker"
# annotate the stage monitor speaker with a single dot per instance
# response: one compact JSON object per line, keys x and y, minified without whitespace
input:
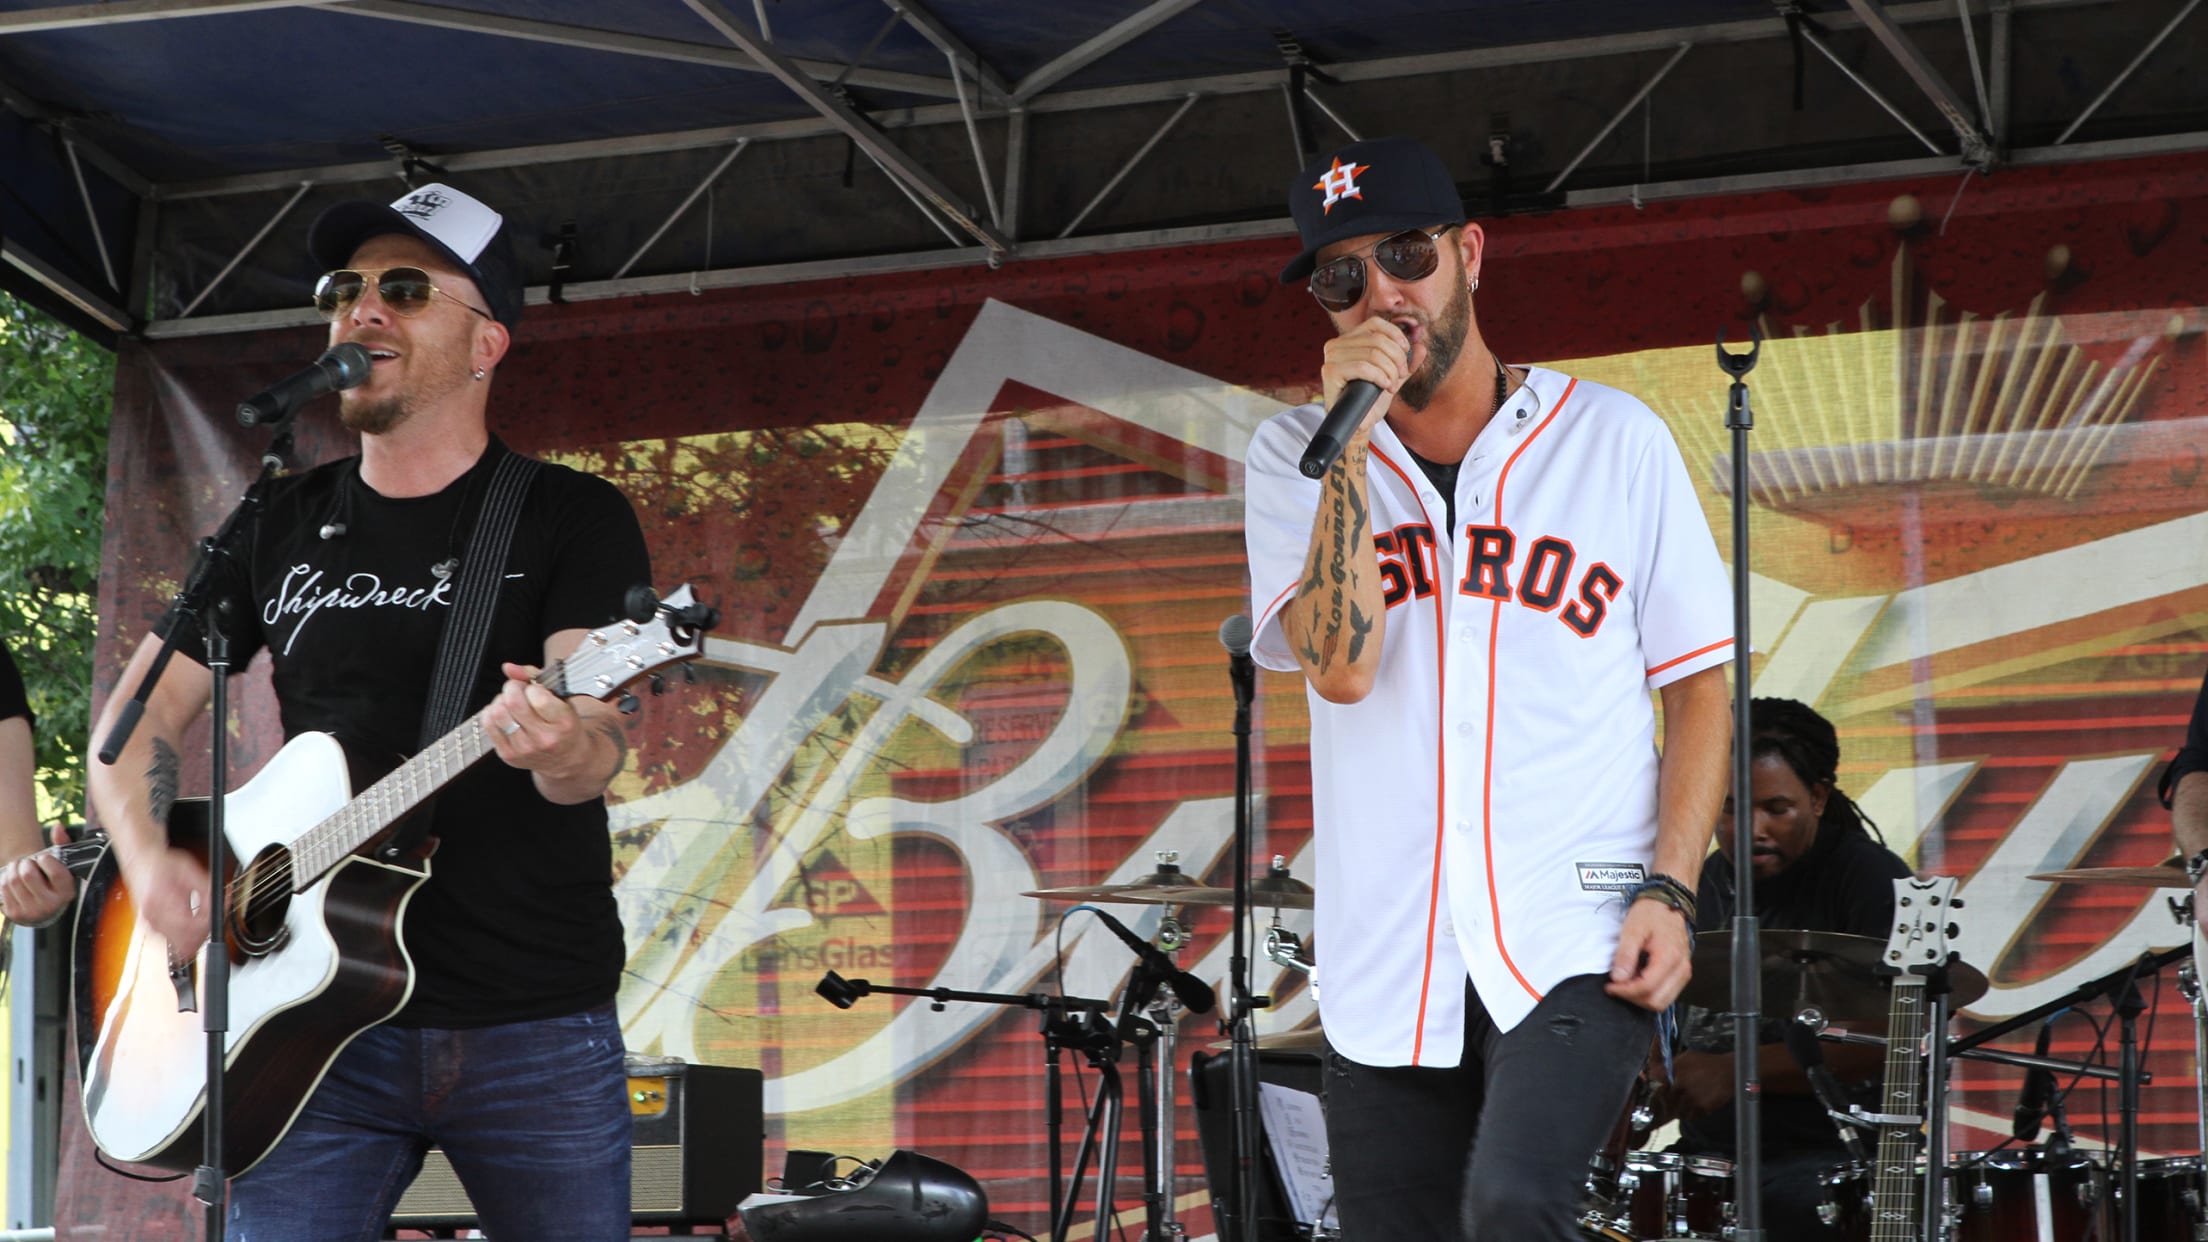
{"x":1212,"y":1093}
{"x":698,"y":1151}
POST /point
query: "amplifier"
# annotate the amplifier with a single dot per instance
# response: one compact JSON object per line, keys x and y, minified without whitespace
{"x":698,"y":1151}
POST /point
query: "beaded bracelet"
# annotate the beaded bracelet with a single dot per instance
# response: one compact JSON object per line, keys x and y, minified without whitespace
{"x":1669,"y":891}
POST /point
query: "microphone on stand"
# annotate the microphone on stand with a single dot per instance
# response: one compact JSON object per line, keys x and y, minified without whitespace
{"x":1335,"y":429}
{"x":340,"y":367}
{"x":2039,"y":1087}
{"x":1801,"y":1040}
{"x":1196,"y":995}
{"x":1235,"y":634}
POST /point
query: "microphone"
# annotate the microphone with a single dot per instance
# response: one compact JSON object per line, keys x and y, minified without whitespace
{"x":342,"y":366}
{"x":1801,"y":1040}
{"x":1235,"y":634}
{"x":2039,"y":1086}
{"x":1334,"y":431}
{"x":1195,"y":994}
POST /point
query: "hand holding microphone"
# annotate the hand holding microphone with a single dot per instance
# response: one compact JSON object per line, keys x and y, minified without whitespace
{"x":1364,"y":366}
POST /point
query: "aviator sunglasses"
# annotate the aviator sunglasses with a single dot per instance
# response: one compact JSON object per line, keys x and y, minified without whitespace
{"x":1412,"y":254}
{"x":406,"y":290}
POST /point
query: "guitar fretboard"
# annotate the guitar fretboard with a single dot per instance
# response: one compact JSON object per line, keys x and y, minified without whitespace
{"x":382,"y":804}
{"x":1894,"y":1182}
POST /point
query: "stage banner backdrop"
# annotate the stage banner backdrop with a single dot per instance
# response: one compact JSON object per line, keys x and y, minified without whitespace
{"x":973,"y":534}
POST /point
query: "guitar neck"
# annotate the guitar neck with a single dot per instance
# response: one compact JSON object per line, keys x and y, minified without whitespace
{"x":1895,"y":1204}
{"x":375,"y":809}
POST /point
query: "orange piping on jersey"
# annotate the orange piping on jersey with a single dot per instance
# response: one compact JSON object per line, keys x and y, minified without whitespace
{"x":1487,"y":774}
{"x":1441,"y":780}
{"x":1274,"y":607}
{"x":1727,"y":642}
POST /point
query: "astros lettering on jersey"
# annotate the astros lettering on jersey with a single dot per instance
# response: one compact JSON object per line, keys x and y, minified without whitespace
{"x":1487,"y":804}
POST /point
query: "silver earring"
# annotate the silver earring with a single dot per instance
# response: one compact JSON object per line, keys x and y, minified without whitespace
{"x":479,"y":370}
{"x":1475,"y":289}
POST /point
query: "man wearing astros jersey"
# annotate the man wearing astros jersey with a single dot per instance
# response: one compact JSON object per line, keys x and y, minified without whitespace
{"x":1482,"y":592}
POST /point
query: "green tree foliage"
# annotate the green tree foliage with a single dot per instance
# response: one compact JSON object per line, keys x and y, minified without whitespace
{"x":56,"y":391}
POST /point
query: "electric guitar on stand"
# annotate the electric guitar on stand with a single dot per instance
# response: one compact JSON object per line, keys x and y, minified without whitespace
{"x":312,"y":911}
{"x":1917,"y":947}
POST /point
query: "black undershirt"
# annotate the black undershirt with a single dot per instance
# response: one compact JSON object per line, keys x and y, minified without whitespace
{"x":1444,"y":477}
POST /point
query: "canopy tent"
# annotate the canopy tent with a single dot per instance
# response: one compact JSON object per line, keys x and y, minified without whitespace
{"x":160,"y":160}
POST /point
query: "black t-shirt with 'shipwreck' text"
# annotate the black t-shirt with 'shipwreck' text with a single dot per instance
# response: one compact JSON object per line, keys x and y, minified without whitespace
{"x":517,"y":920}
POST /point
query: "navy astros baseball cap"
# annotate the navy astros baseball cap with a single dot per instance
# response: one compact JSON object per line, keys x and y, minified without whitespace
{"x":1384,"y":185}
{"x":471,"y":236}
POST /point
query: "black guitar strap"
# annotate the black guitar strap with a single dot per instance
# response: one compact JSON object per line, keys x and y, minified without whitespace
{"x":475,"y":601}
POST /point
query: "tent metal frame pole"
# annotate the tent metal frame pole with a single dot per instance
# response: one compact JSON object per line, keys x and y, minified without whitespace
{"x":1312,"y":94}
{"x":1977,"y":68}
{"x":1015,"y":167}
{"x":1976,"y":151}
{"x":759,"y":12}
{"x":2129,"y":69}
{"x":1130,"y":165}
{"x":866,"y":53}
{"x":1811,"y":37}
{"x":918,"y":203}
{"x":64,"y":287}
{"x":684,"y":207}
{"x":856,"y":127}
{"x":933,"y":29}
{"x":2001,"y":51}
{"x":247,"y":249}
{"x":973,"y":139}
{"x":84,"y":193}
{"x":1620,"y":115}
{"x":77,"y":16}
{"x":1123,"y":32}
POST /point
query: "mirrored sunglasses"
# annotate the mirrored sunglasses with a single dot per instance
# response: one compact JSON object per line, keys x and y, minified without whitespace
{"x":1413,"y":254}
{"x":406,"y":290}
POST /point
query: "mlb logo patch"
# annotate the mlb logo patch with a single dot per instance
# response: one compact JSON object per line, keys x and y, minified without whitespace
{"x":1602,"y":877}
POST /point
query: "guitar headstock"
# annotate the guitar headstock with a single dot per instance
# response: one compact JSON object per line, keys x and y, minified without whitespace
{"x":668,"y":632}
{"x":1923,"y":925}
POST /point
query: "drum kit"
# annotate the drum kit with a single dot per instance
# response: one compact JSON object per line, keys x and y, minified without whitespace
{"x":1844,"y":987}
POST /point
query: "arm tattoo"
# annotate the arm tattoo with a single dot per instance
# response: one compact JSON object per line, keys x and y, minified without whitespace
{"x":1360,"y":626}
{"x":612,"y":731}
{"x":161,"y":777}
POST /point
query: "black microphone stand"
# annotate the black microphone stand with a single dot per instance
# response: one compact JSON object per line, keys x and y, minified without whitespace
{"x":1068,"y":1022}
{"x":1747,"y":953}
{"x":210,"y":1180}
{"x":1242,"y":1055}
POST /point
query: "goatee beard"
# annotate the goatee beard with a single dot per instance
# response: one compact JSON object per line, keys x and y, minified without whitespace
{"x":373,"y":418}
{"x":1443,"y":343}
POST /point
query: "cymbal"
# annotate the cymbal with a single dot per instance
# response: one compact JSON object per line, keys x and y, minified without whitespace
{"x":1302,"y":1039}
{"x":1266,"y":893}
{"x":1830,"y":971}
{"x":1133,"y":892}
{"x":2168,"y":874}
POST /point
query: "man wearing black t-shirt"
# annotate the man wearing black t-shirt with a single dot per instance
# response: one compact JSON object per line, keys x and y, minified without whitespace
{"x":34,"y":887}
{"x":507,"y":1053}
{"x":1817,"y":869}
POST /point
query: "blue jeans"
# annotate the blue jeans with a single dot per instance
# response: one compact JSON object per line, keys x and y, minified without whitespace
{"x":533,"y":1115}
{"x":1539,"y":1099}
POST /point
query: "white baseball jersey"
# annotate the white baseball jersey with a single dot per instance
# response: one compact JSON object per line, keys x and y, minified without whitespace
{"x":1484,"y":808}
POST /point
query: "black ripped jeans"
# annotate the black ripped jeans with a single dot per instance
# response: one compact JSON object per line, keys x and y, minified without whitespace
{"x":1496,"y":1148}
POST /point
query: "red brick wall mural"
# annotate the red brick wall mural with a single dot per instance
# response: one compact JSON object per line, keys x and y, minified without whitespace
{"x":972,"y":534}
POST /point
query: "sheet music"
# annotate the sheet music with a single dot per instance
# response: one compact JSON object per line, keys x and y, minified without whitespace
{"x":1295,"y":1132}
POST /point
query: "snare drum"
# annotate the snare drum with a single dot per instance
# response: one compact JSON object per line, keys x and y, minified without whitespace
{"x":2170,"y":1204}
{"x":1996,"y":1196}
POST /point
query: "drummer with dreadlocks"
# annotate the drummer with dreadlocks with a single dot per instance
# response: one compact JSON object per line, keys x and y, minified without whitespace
{"x":1819,"y":866}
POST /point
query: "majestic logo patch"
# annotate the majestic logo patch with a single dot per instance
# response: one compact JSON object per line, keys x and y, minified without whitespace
{"x":423,"y":204}
{"x":1604,"y":877}
{"x":1340,"y":183}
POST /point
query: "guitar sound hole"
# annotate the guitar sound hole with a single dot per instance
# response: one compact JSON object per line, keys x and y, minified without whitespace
{"x":263,"y":898}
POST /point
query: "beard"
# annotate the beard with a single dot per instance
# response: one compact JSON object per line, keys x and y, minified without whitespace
{"x":374,"y":418}
{"x":1444,"y":342}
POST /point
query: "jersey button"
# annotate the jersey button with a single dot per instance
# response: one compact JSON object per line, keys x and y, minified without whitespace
{"x":1464,"y":728}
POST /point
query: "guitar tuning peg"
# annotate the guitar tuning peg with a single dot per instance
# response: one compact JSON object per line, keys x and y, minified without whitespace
{"x":628,"y":704}
{"x":640,"y":604}
{"x":659,"y":684}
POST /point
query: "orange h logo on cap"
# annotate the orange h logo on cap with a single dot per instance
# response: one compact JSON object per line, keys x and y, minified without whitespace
{"x":1340,"y":183}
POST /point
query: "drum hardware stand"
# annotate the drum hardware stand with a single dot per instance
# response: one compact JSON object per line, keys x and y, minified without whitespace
{"x":1068,"y":1022}
{"x":2189,"y":986}
{"x":1157,"y":1075}
{"x":2121,"y":986}
{"x":1747,"y":981}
